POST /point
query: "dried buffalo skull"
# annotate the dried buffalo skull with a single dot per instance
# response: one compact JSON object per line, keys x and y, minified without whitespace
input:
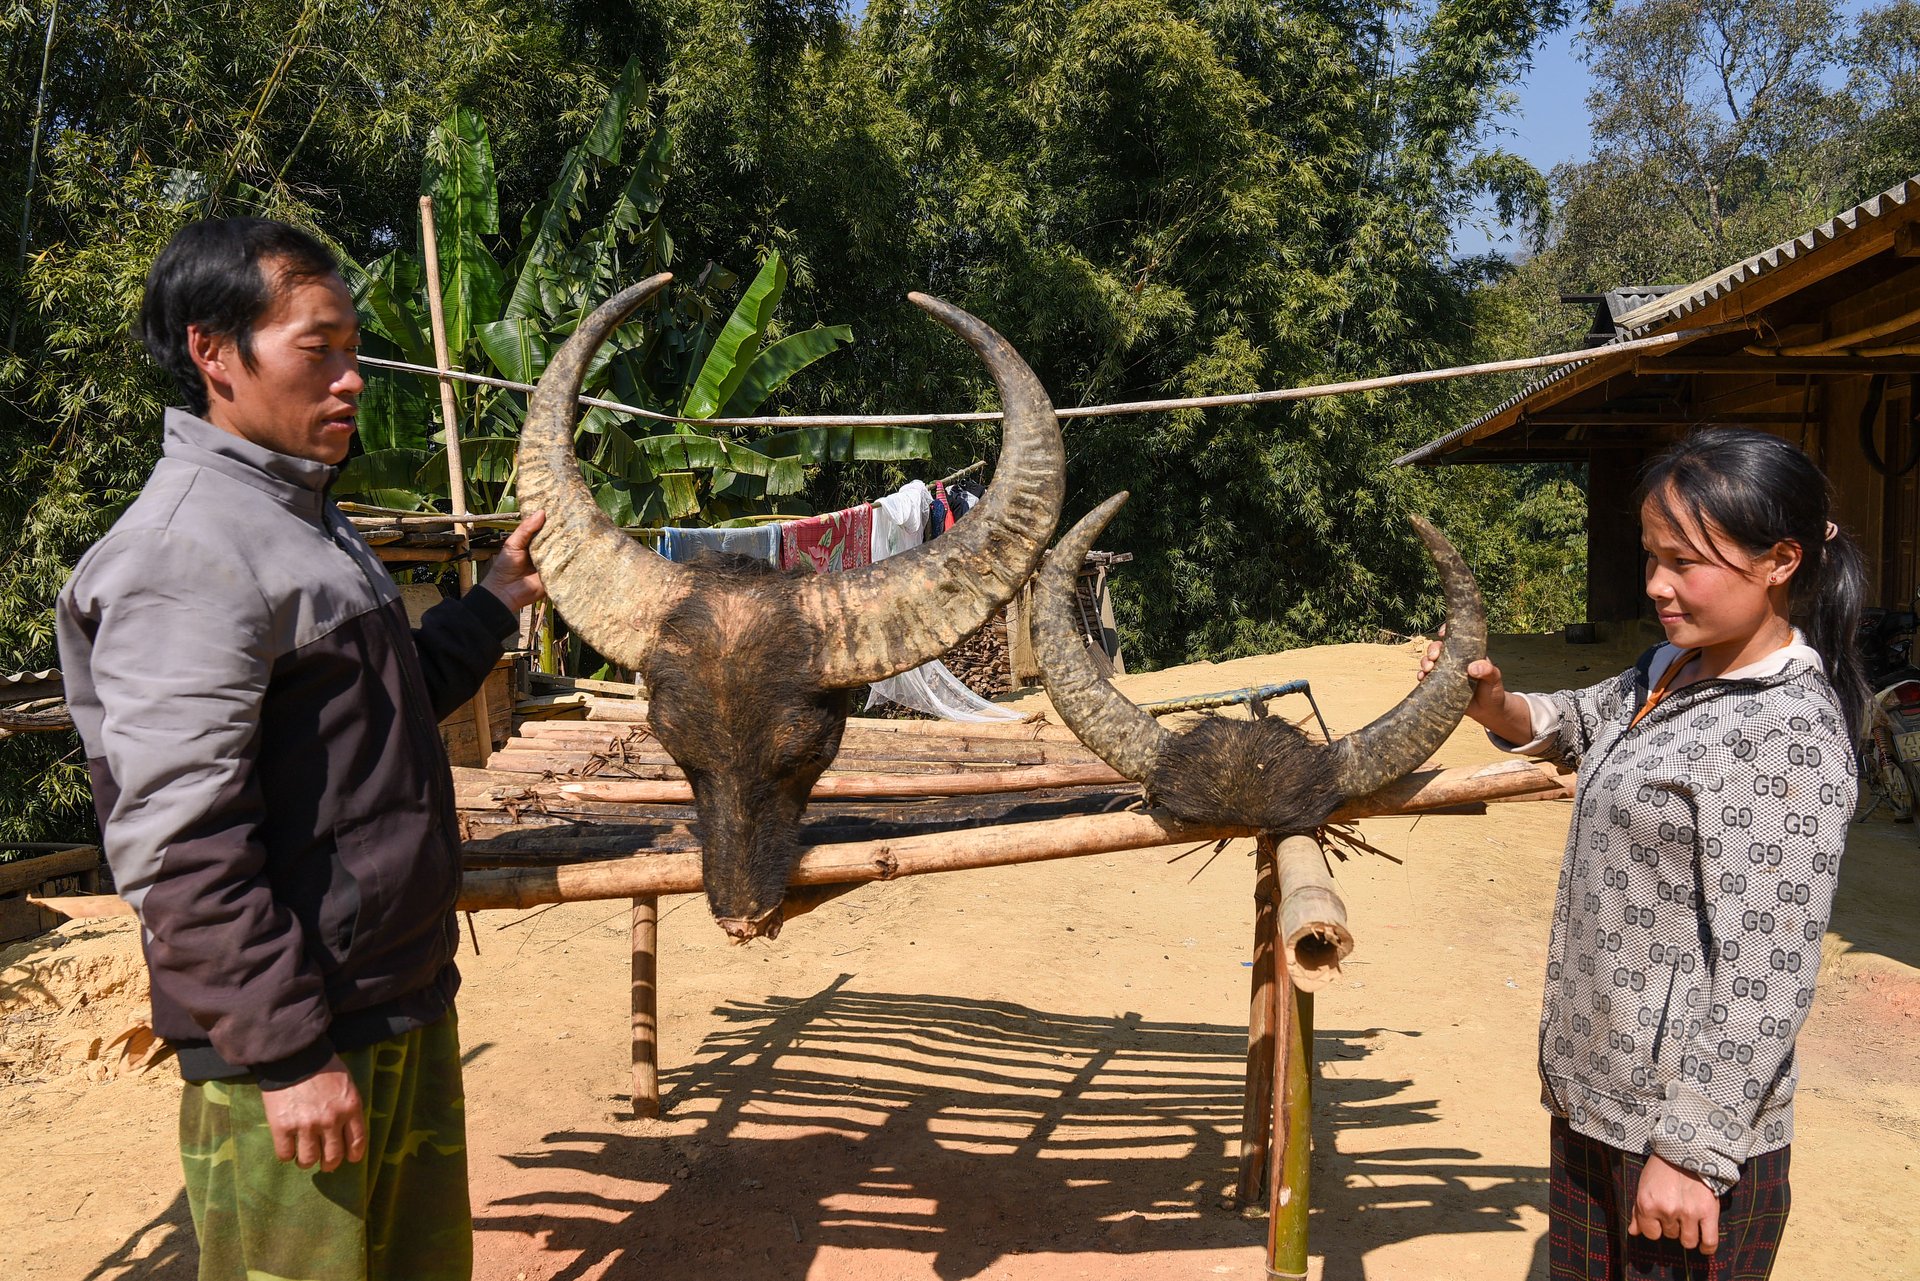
{"x":1262,"y":773}
{"x":748,"y":670}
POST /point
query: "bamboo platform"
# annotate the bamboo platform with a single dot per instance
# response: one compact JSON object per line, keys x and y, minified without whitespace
{"x":594,"y":809}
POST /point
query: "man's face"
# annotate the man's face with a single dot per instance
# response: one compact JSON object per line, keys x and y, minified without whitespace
{"x":302,"y":390}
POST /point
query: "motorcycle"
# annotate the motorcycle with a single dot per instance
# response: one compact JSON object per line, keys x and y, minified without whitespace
{"x":1890,"y":749}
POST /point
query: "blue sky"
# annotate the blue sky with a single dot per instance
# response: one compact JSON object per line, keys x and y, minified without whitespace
{"x":1548,"y":125}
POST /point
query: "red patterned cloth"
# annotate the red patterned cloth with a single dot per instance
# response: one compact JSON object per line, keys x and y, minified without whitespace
{"x":1591,"y":1194}
{"x":829,"y":544}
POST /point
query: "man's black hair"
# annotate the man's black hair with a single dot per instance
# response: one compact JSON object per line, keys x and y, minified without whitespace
{"x":214,"y":274}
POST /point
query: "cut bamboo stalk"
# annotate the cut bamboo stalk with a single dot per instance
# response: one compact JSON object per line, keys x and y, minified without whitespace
{"x":1256,"y":1120}
{"x":959,"y":746}
{"x":990,"y":752}
{"x":1464,"y":785}
{"x":630,"y":710}
{"x":642,"y":765}
{"x":857,"y":786}
{"x":1313,"y":919}
{"x":646,"y":1006}
{"x":882,"y":860}
{"x":456,"y":469}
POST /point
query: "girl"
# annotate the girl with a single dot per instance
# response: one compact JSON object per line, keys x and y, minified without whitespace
{"x":1716,"y":780}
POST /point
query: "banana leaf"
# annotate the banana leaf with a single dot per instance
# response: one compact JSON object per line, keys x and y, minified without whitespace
{"x":382,"y":293}
{"x":725,"y":366}
{"x":547,"y":231}
{"x":385,"y":477}
{"x":517,"y":347}
{"x":460,"y":177}
{"x":772,"y":368}
{"x":816,"y":445}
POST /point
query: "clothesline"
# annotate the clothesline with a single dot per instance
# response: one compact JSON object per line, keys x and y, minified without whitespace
{"x":400,"y":516}
{"x":1313,"y":391}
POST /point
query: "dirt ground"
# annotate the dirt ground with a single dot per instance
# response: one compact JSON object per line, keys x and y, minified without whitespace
{"x":1023,"y":1073}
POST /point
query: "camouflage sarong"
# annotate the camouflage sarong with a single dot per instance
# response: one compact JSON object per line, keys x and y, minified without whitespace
{"x":399,"y":1214}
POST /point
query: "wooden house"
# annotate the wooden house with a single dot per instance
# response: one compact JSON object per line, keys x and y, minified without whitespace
{"x":1816,"y":339}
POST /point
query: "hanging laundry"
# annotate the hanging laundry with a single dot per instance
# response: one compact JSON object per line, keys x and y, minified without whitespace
{"x":900,"y":519}
{"x":829,"y":544}
{"x":938,"y":515}
{"x":962,"y":496}
{"x":898,"y":522}
{"x":761,"y":542}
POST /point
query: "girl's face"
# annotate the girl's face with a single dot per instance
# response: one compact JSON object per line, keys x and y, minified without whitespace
{"x":1707,"y":590}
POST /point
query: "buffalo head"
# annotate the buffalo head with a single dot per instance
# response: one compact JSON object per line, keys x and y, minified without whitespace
{"x":1263,"y":774}
{"x":749,"y":672}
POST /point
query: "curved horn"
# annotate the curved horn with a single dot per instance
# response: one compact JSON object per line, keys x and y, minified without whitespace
{"x":610,"y":589}
{"x":1394,"y":745}
{"x":881,"y":620}
{"x":1115,"y":730}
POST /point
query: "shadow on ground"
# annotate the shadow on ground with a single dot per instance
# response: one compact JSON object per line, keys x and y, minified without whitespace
{"x":966,"y":1132}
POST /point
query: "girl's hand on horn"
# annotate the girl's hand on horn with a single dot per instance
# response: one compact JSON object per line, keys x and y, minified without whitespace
{"x":1491,"y":704}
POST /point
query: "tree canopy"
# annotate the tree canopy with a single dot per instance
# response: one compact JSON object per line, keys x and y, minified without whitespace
{"x":1150,"y":198}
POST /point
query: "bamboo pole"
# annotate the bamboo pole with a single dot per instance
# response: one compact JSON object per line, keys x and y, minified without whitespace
{"x":849,"y":787}
{"x":1292,"y":1143}
{"x":1430,"y":789}
{"x":881,"y":860}
{"x":456,"y":469}
{"x":994,"y":846}
{"x":1256,"y":1119}
{"x":1313,"y":920}
{"x":1579,"y":356}
{"x":635,"y":711}
{"x":646,"y":1006}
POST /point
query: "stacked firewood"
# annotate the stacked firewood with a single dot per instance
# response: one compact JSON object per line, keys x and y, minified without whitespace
{"x":981,"y":661}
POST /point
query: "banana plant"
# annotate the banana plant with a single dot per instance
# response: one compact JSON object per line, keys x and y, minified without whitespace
{"x":600,"y":227}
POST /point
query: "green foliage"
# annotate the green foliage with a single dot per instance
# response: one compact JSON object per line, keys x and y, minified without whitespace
{"x":1765,"y":117}
{"x":601,"y":227}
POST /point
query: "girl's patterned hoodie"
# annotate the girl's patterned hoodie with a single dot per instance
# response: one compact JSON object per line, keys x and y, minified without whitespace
{"x":1699,"y":873}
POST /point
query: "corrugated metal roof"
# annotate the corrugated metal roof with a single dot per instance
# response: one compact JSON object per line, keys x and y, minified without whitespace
{"x":1684,"y":301}
{"x":21,"y":686}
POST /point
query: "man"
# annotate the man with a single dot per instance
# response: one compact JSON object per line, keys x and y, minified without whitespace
{"x":261,"y":727}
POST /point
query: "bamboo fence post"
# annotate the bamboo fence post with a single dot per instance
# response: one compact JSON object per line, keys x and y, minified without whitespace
{"x":456,"y":469}
{"x":1292,"y":1142}
{"x":1256,"y":1120}
{"x":1311,"y":929}
{"x":646,"y":1006}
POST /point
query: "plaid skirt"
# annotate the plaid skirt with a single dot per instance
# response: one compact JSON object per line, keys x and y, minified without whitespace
{"x":1590,"y":1204}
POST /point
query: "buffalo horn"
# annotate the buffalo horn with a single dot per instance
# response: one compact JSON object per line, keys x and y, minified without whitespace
{"x":1394,"y":745}
{"x":612,"y":591}
{"x":1131,"y":741}
{"x":881,"y":620}
{"x":1115,"y":730}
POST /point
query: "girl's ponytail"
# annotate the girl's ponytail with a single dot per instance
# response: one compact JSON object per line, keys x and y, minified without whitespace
{"x":1763,"y":491}
{"x":1828,"y":610}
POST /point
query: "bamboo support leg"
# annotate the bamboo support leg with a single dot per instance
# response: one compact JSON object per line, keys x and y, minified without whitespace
{"x":1309,"y":939}
{"x":1292,"y":1155}
{"x":1256,"y":1122}
{"x":646,"y":1006}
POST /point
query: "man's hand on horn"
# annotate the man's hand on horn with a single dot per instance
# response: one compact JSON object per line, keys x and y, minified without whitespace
{"x":512,"y":576}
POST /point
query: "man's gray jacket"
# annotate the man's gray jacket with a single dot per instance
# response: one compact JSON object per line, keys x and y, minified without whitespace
{"x":262,"y":730}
